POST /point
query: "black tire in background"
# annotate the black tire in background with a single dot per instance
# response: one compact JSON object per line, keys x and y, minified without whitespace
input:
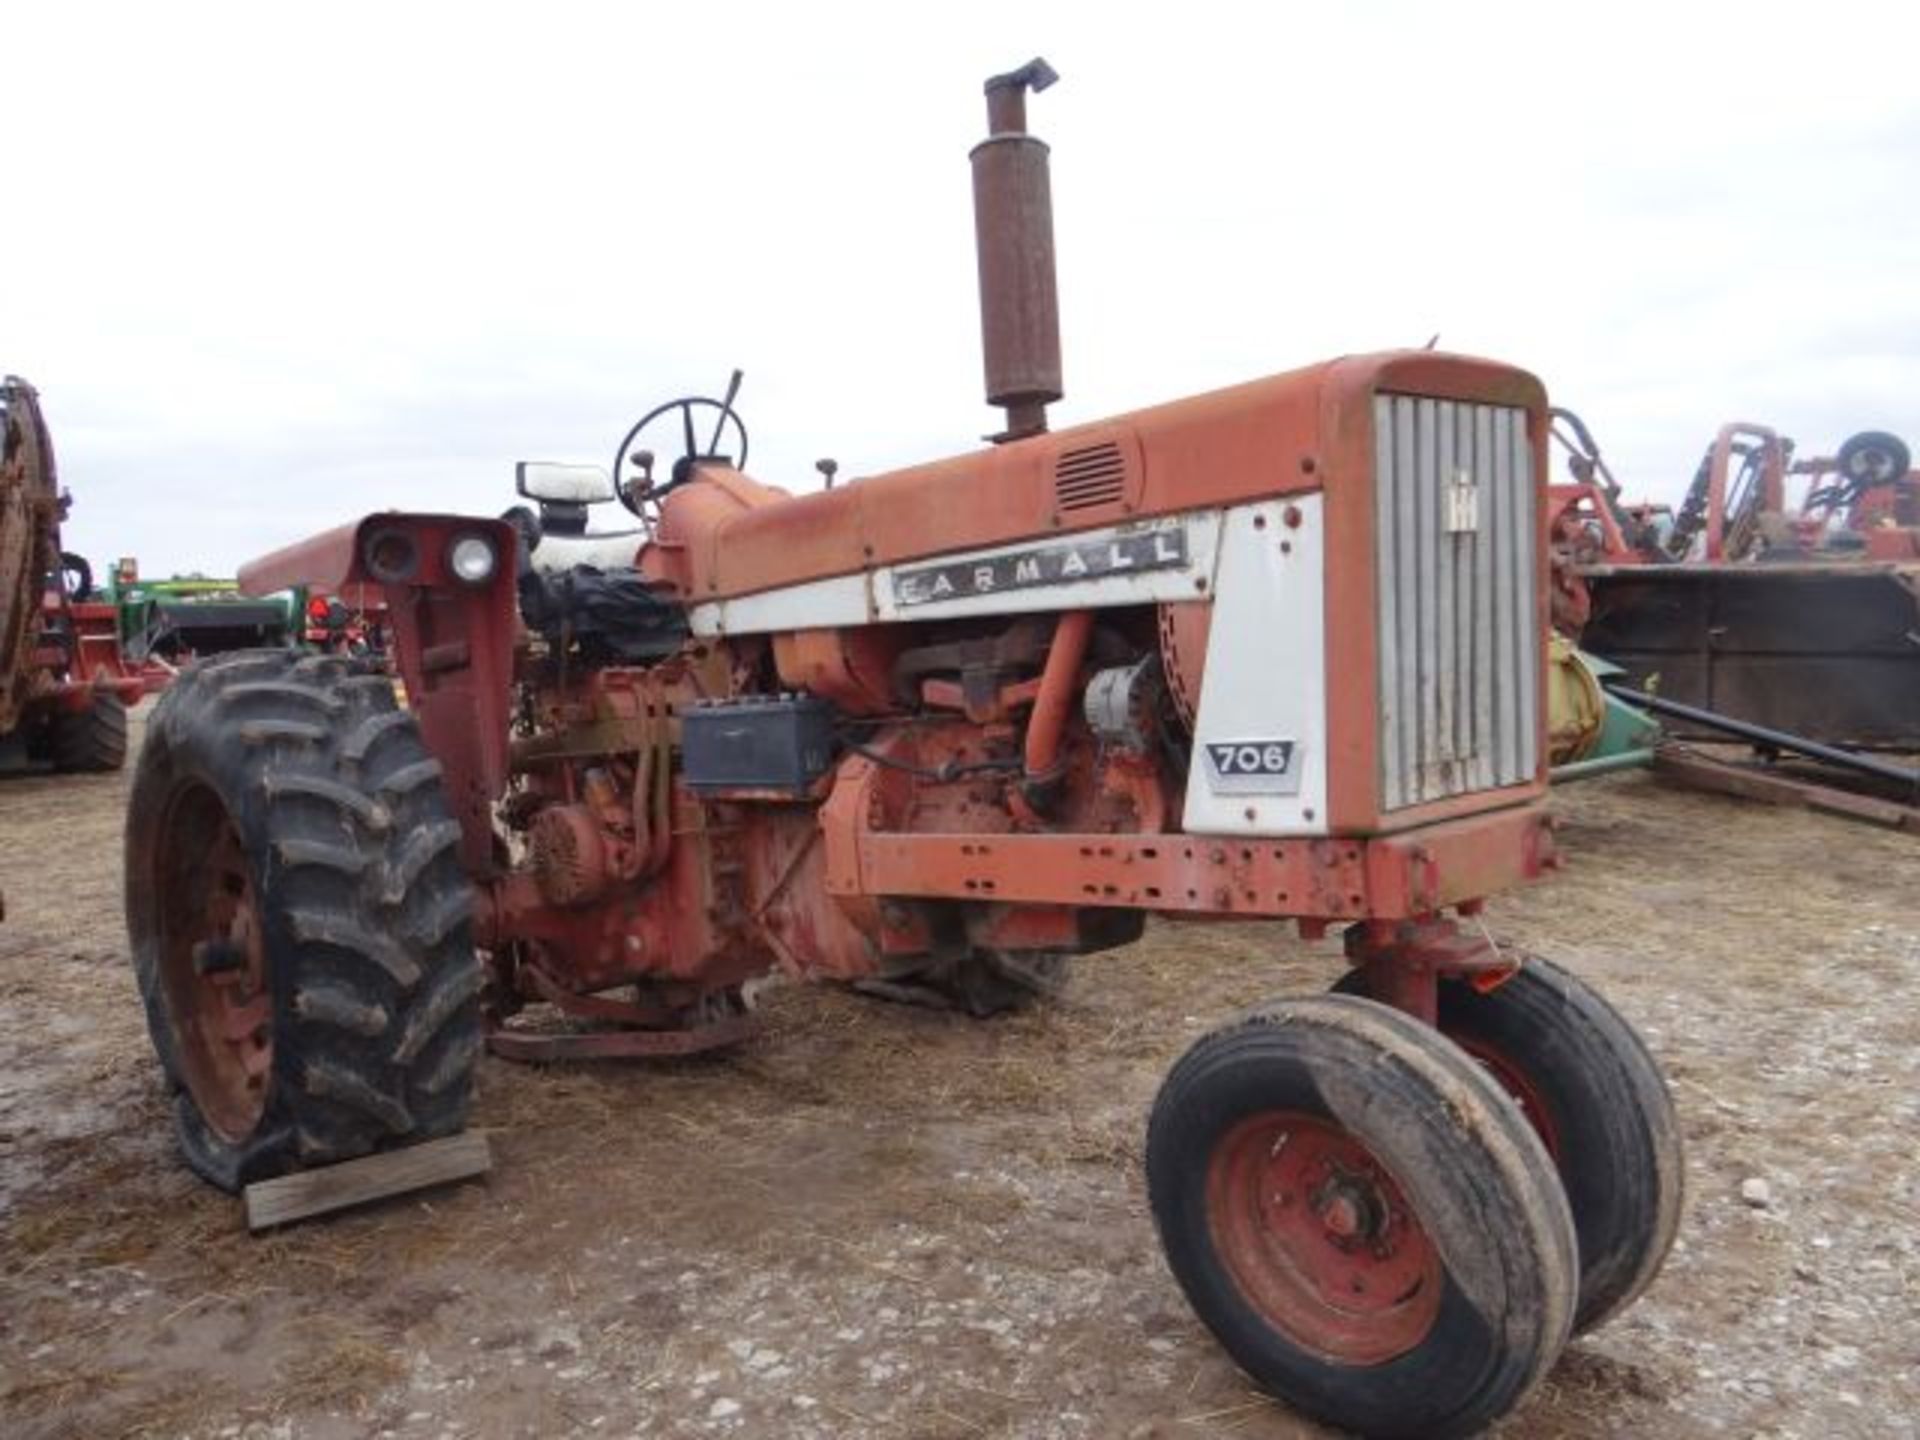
{"x":1418,"y":1170}
{"x":90,"y":740}
{"x":980,"y":983}
{"x":1871,"y":458}
{"x":1593,"y":1091}
{"x":299,"y":920}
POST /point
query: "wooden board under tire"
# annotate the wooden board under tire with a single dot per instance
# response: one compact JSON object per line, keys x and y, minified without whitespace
{"x":373,"y":1177}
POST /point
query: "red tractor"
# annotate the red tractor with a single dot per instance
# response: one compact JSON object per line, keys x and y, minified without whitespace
{"x":1276,"y":651}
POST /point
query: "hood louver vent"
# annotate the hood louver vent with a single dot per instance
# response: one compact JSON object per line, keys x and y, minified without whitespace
{"x":1086,"y":479}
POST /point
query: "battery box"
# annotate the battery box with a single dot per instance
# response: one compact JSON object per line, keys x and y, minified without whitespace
{"x":781,"y":743}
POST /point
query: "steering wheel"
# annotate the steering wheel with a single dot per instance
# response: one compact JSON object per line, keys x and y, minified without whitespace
{"x":636,"y":495}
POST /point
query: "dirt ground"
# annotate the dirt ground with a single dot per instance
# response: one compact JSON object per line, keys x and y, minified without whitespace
{"x":877,"y":1221}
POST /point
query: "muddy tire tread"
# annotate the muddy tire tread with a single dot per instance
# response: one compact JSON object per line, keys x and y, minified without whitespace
{"x":93,"y":740}
{"x":367,"y":912}
{"x":979,"y":983}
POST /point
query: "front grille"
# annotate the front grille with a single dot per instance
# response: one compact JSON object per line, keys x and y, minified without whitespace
{"x":1455,"y":520}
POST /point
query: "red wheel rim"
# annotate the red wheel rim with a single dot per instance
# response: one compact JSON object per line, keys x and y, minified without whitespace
{"x":1320,"y":1239}
{"x":1517,"y":1083}
{"x":213,"y":964}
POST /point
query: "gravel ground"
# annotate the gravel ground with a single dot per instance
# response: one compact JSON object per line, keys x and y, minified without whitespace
{"x":876,"y":1221}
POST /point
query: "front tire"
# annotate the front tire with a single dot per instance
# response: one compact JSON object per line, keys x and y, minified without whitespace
{"x":299,"y":918}
{"x":93,"y":740}
{"x":1362,"y":1219}
{"x":1595,"y":1095}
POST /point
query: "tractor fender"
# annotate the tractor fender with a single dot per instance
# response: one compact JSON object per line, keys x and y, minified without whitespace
{"x":354,"y":553}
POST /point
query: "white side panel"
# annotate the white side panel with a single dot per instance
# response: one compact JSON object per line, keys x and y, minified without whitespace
{"x":838,"y":600}
{"x":1163,"y":559}
{"x":1260,"y":743}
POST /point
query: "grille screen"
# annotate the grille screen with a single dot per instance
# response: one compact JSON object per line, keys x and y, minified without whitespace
{"x":1456,"y":518}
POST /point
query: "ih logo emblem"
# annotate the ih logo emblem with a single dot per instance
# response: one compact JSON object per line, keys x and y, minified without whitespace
{"x":1463,"y":504}
{"x":1254,"y":767}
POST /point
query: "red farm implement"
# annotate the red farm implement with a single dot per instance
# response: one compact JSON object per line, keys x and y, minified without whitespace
{"x":1804,"y":619}
{"x":63,"y":690}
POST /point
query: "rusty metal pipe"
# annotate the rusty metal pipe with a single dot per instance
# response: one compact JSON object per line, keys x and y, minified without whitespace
{"x":1773,"y":479}
{"x":1600,"y":765}
{"x":1055,"y":700}
{"x":1013,"y":233}
{"x":642,"y":803}
{"x":652,"y":808}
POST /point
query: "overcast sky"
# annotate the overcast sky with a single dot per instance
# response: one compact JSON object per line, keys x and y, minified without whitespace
{"x":273,"y":266}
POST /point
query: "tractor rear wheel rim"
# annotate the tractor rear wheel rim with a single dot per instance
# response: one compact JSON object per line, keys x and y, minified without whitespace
{"x":213,"y":965}
{"x":1320,"y":1239}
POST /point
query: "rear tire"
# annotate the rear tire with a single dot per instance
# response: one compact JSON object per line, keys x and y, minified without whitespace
{"x":1360,"y":1216}
{"x":1595,"y":1095}
{"x":299,"y":918}
{"x":982,"y":983}
{"x":90,"y":740}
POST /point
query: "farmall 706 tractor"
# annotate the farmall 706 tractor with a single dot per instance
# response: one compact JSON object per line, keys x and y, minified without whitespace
{"x":1275,"y":651}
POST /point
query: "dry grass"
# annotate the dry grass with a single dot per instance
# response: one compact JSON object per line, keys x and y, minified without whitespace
{"x":862,"y":1156}
{"x":346,"y":1369}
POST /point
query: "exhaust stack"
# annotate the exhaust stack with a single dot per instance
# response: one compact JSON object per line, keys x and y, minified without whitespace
{"x":1013,"y":233}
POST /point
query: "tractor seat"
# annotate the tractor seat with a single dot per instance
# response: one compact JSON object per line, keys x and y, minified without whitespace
{"x":603,"y":550}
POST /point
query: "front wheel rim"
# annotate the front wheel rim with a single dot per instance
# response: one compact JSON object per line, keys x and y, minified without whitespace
{"x":213,"y":970}
{"x":1320,"y":1240}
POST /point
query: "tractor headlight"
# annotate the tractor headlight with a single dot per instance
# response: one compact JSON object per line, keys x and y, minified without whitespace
{"x":390,"y":556}
{"x":472,"y":558}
